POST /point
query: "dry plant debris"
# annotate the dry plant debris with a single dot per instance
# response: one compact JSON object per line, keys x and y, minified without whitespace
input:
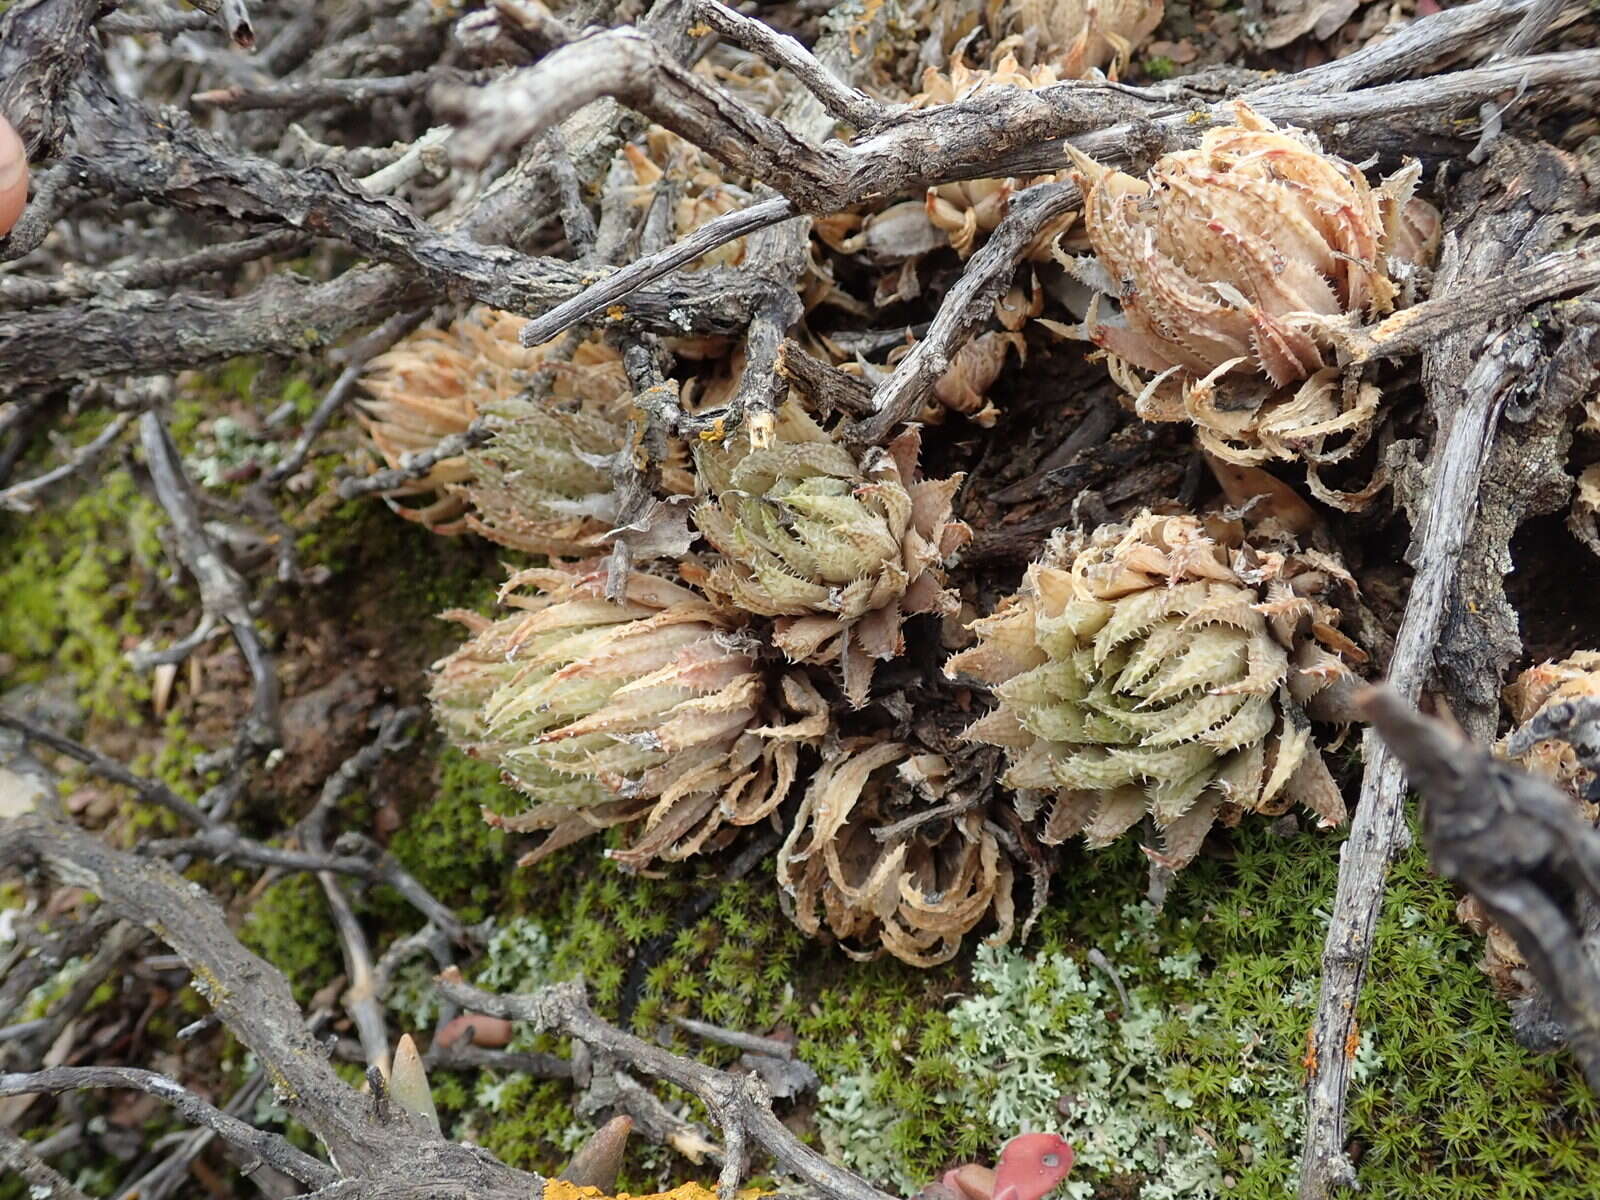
{"x":734,"y":333}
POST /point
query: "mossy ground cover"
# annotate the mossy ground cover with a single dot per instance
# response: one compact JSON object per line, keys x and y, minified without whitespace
{"x":1168,"y":1044}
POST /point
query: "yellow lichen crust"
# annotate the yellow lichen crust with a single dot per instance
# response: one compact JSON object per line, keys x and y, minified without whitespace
{"x":1230,"y":263}
{"x":915,"y":892}
{"x":838,"y":551}
{"x":649,"y":709}
{"x":1166,"y":668}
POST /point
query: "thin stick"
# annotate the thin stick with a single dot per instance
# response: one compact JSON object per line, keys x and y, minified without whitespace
{"x":222,"y":590}
{"x":735,"y":1103}
{"x":718,"y":231}
{"x":269,"y":1147}
{"x":22,"y":497}
{"x":849,"y":104}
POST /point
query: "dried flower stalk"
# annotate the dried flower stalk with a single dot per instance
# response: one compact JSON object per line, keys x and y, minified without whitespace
{"x":649,"y":710}
{"x":1229,"y":263}
{"x":839,"y":552}
{"x":916,"y":893}
{"x":1166,"y":667}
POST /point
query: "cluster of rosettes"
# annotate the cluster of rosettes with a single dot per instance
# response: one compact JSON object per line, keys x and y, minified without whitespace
{"x":555,"y":414}
{"x":1166,"y":668}
{"x":649,"y":710}
{"x":1231,"y":264}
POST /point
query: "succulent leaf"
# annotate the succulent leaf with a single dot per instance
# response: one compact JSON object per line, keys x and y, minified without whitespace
{"x":839,"y":553}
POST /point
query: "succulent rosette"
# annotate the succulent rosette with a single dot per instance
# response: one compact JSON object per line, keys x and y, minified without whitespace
{"x":873,"y":857}
{"x":1230,"y":265}
{"x":435,"y":382}
{"x":652,"y":710}
{"x":838,"y":551}
{"x":1167,"y":668}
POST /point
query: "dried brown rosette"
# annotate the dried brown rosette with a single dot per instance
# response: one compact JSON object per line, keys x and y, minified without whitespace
{"x":839,"y":551}
{"x":702,"y":193}
{"x":870,"y":856}
{"x":1230,"y":264}
{"x":651,"y":710}
{"x":436,"y":382}
{"x":1079,"y":36}
{"x":1532,"y":695}
{"x":1167,"y":667}
{"x":968,"y":208}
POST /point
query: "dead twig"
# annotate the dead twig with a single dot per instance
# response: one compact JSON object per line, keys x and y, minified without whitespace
{"x":968,"y":307}
{"x":1468,"y":373}
{"x":43,"y":1181}
{"x":356,"y":358}
{"x":22,"y":497}
{"x":22,"y":291}
{"x":222,"y":590}
{"x":268,"y":1147}
{"x":416,"y":465}
{"x":845,"y":102}
{"x":374,"y":1156}
{"x":222,"y":843}
{"x":622,"y":281}
{"x":305,"y":95}
{"x":1517,"y":843}
{"x":738,"y":1105}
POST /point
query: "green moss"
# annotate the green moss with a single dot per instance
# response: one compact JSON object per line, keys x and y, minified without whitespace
{"x":1157,"y":67}
{"x":290,"y":927}
{"x":447,"y":844}
{"x":70,"y":589}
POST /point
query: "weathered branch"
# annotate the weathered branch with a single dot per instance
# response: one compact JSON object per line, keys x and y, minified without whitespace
{"x":269,"y":1147}
{"x":20,"y":497}
{"x":375,"y":1157}
{"x":965,"y":311}
{"x":1518,"y":844}
{"x":849,"y":104}
{"x":1468,"y":372}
